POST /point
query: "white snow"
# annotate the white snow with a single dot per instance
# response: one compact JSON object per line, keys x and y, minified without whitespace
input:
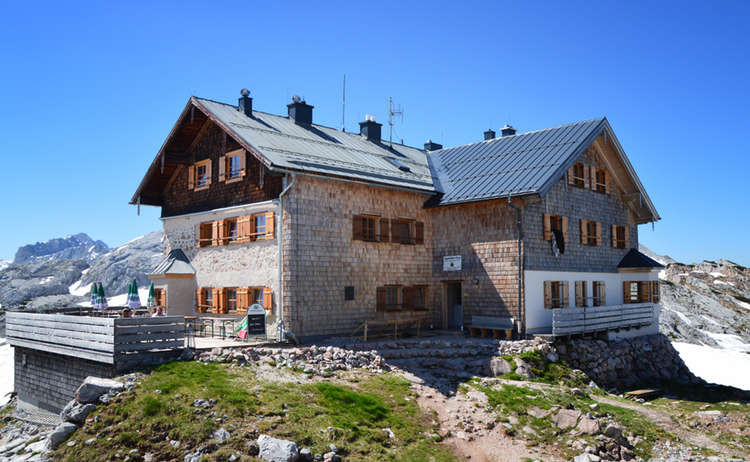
{"x":716,"y":365}
{"x":723,"y":283}
{"x":712,"y":321}
{"x":681,"y":315}
{"x":6,"y":367}
{"x":77,"y":289}
{"x":4,"y":264}
{"x":744,"y":305}
{"x":121,"y":299}
{"x":716,"y":274}
{"x":730,"y":342}
{"x":698,"y":271}
{"x":46,"y":280}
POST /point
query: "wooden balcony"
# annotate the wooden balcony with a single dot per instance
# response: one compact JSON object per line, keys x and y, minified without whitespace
{"x":594,"y":319}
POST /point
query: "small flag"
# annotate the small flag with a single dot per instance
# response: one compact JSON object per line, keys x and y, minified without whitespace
{"x":241,"y":330}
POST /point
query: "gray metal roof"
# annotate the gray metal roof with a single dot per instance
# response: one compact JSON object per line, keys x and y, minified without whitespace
{"x":320,"y":149}
{"x":176,"y":262}
{"x":515,"y":165}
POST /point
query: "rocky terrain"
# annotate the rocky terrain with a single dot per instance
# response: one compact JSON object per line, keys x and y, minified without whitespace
{"x":59,"y":272}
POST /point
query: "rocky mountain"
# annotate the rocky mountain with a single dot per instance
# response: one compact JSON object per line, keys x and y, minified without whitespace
{"x":59,"y":272}
{"x":76,"y":247}
{"x":663,"y":259}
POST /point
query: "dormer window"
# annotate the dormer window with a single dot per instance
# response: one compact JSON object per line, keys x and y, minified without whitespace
{"x":601,"y":181}
{"x":199,"y":175}
{"x":232,"y":166}
{"x":577,"y":175}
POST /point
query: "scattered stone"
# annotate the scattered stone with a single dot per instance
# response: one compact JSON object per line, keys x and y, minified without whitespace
{"x":221,"y":435}
{"x":276,"y":450}
{"x":594,"y":406}
{"x":76,"y":412}
{"x":94,"y":387}
{"x":586,"y":457}
{"x":588,"y":426}
{"x":305,"y":455}
{"x":90,"y":441}
{"x":499,"y":366}
{"x":60,"y":434}
{"x":538,"y":412}
{"x":567,"y":418}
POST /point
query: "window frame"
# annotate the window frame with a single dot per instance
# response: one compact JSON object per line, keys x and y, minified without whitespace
{"x":556,"y":298}
{"x":578,"y":181}
{"x":619,"y":237}
{"x":230,"y":301}
{"x":206,"y":165}
{"x":600,"y":187}
{"x":596,"y":293}
{"x":233,"y":175}
{"x":400,"y":224}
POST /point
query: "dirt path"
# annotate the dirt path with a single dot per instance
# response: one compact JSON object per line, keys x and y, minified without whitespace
{"x":664,"y":420}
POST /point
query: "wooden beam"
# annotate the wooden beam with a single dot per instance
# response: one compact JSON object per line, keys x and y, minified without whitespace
{"x":204,"y":126}
{"x":172,"y":178}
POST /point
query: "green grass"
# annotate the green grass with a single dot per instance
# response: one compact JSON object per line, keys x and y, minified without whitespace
{"x":301,"y":412}
{"x":545,"y":371}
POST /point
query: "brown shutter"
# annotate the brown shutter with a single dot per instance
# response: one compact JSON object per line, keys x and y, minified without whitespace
{"x":598,"y":233}
{"x":627,"y":237}
{"x":243,"y":228}
{"x":606,"y":181}
{"x":565,"y":288}
{"x":191,"y":177}
{"x":267,"y":298}
{"x":243,"y":162}
{"x":198,"y":300}
{"x":644,"y":292}
{"x":215,"y":236}
{"x":222,"y":168}
{"x":395,"y":231}
{"x":419,"y":232}
{"x":613,"y":232}
{"x":547,"y":227}
{"x":626,"y":292}
{"x":357,"y":228}
{"x":380,"y":298}
{"x":584,"y":232}
{"x":208,"y":172}
{"x":222,"y":306}
{"x":385,"y":230}
{"x":215,"y":302}
{"x":269,"y":225}
{"x":548,"y":294}
{"x":222,"y":230}
{"x":579,"y":293}
{"x":565,"y":228}
{"x":602,"y":293}
{"x":570,"y":175}
{"x":408,"y":296}
{"x":242,"y":298}
{"x":587,"y":177}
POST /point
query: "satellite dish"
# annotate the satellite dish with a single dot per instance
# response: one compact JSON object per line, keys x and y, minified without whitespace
{"x":245,"y":92}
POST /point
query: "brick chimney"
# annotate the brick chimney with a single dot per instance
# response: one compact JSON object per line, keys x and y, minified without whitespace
{"x":507,"y":130}
{"x":370,"y":129}
{"x":300,"y":111}
{"x":245,"y":103}
{"x":489,"y":134}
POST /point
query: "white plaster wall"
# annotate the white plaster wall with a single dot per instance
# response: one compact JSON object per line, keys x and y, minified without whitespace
{"x":539,"y":319}
{"x":180,"y":294}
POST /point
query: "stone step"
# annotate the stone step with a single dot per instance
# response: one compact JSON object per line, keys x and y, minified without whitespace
{"x":441,"y":353}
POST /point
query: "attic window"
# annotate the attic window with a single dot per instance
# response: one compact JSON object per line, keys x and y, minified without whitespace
{"x":401,"y":166}
{"x":576,"y":175}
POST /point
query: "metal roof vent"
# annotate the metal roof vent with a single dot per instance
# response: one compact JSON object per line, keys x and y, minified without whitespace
{"x":401,"y":166}
{"x":489,"y":134}
{"x":507,"y":130}
{"x":245,"y":103}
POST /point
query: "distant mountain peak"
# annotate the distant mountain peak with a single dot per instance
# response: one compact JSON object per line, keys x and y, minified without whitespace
{"x":72,"y":247}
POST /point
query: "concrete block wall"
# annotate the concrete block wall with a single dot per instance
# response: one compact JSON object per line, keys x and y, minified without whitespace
{"x":48,"y":380}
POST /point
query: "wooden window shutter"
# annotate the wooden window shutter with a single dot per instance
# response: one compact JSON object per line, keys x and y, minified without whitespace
{"x":419,"y":232}
{"x":243,"y":228}
{"x":565,"y":228}
{"x":241,"y":298}
{"x":626,"y":292}
{"x":208,"y":172}
{"x":243,"y":163}
{"x":269,"y":225}
{"x":606,"y":181}
{"x":644,"y":291}
{"x":598,"y":233}
{"x":357,"y":228}
{"x":571,"y":174}
{"x":222,"y":168}
{"x":565,"y":288}
{"x":198,"y":300}
{"x":395,"y":232}
{"x":191,"y":177}
{"x":268,"y":298}
{"x":380,"y":295}
{"x":215,"y":236}
{"x":584,"y":232}
{"x":587,"y":177}
{"x":548,"y":294}
{"x":385,"y":230}
{"x":547,"y":227}
{"x":627,"y":237}
{"x":214,"y":300}
{"x":408,"y":298}
{"x":613,"y":232}
{"x":655,"y":291}
{"x":579,"y":293}
{"x":222,"y":230}
{"x":602,"y":293}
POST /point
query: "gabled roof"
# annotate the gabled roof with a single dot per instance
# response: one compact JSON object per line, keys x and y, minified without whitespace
{"x":176,"y":262}
{"x":635,"y":259}
{"x":316,"y":148}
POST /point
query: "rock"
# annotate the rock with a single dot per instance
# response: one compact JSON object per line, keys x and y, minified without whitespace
{"x":594,"y":406}
{"x":221,"y":435}
{"x":76,"y":413}
{"x":538,"y":412}
{"x":94,"y":387}
{"x":499,"y":366}
{"x":529,"y":431}
{"x":588,"y":426}
{"x":613,"y":431}
{"x":577,"y":392}
{"x":567,"y":418}
{"x":193,"y":457}
{"x":90,"y":441}
{"x":586,"y":457}
{"x":60,"y":434}
{"x":552,"y":357}
{"x":523,"y":368}
{"x":305,"y":455}
{"x":276,"y":450}
{"x":252,"y":448}
{"x":626,"y":453}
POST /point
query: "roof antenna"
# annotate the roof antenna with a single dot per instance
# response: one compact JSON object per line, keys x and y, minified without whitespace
{"x":343,"y":106}
{"x":393,"y":112}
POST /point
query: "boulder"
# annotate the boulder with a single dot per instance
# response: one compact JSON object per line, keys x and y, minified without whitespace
{"x":94,"y":387}
{"x":567,"y":418}
{"x":586,"y":457}
{"x":499,"y":366}
{"x":276,"y":450}
{"x":221,"y":435}
{"x":76,"y":412}
{"x":60,"y":434}
{"x":588,"y":426}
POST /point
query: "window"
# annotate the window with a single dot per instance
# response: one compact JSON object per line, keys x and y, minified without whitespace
{"x":655,"y":291}
{"x":620,"y":237}
{"x":260,"y":225}
{"x":401,"y":231}
{"x":365,"y":228}
{"x":231,"y":230}
{"x":349,"y":293}
{"x":591,"y":232}
{"x":387,"y":298}
{"x":414,"y":298}
{"x":581,"y":298}
{"x":231,"y":299}
{"x":599,"y":294}
{"x":206,"y":234}
{"x":640,"y":291}
{"x":205,"y":300}
{"x":576,"y":175}
{"x":372,"y":228}
{"x":555,"y":225}
{"x":161,"y":297}
{"x":601,"y":181}
{"x":258,"y":297}
{"x":236,"y":230}
{"x":556,"y":294}
{"x":199,"y":175}
{"x":232,"y":166}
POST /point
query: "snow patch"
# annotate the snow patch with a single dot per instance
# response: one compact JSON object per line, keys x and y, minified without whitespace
{"x":711,"y":320}
{"x":6,"y":366}
{"x":716,"y":274}
{"x":723,"y":283}
{"x":4,"y":264}
{"x":716,"y":365}
{"x":81,"y":290}
{"x":680,"y":314}
{"x":744,"y":305}
{"x":730,"y":342}
{"x":698,"y":271}
{"x":46,"y":280}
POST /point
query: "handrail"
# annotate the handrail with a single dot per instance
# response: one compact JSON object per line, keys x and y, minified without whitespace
{"x":582,"y":320}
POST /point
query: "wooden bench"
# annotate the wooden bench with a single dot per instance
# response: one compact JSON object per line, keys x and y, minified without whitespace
{"x":403,"y":321}
{"x":484,"y":325}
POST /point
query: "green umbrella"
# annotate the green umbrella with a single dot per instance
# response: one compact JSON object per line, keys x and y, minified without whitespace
{"x":102,"y":297}
{"x":134,"y":301}
{"x":94,"y":295}
{"x":151,"y":296}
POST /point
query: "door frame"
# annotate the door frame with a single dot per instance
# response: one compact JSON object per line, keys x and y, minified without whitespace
{"x":444,"y":311}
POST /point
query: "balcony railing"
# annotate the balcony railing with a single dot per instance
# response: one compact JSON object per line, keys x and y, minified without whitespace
{"x":575,"y":321}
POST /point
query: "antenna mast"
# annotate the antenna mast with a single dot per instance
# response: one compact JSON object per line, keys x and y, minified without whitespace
{"x":393,"y":112}
{"x":343,"y":105}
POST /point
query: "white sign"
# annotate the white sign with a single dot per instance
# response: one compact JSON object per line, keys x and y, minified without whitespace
{"x":452,"y":263}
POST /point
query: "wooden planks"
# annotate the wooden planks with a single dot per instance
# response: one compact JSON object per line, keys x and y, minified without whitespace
{"x":571,"y":321}
{"x":134,"y":335}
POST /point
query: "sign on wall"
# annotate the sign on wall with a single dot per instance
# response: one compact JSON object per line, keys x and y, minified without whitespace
{"x":452,"y":263}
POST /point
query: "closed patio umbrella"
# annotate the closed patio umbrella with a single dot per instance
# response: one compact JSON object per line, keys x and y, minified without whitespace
{"x":102,"y":297}
{"x":151,"y":302}
{"x":134,"y":301}
{"x":94,"y":295}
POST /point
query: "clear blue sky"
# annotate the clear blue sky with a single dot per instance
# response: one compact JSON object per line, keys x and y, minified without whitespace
{"x":90,"y":91}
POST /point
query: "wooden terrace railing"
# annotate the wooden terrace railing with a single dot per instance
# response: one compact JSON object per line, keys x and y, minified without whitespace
{"x":574,"y":321}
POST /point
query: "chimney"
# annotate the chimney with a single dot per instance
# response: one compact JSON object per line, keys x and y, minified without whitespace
{"x":507,"y":130}
{"x":370,"y":129}
{"x":300,"y":111}
{"x":245,"y":103}
{"x":430,"y":146}
{"x":489,"y":134}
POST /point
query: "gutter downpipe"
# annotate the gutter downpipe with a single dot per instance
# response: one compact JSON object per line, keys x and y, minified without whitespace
{"x":521,"y":328}
{"x":280,"y":240}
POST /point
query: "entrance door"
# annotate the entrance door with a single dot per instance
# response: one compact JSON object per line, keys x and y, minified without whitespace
{"x":453,"y":304}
